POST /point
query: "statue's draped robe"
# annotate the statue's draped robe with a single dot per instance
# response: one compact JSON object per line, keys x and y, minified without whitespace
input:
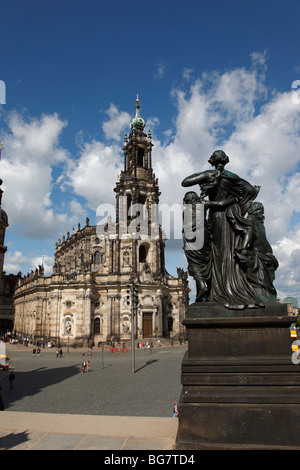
{"x":229,"y":284}
{"x":258,"y":261}
{"x":199,"y":258}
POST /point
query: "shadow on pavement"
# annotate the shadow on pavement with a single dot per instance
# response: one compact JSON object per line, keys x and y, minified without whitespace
{"x":12,"y":440}
{"x":148,"y":363}
{"x":30,"y":383}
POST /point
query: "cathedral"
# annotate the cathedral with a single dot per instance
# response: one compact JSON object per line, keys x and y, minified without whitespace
{"x":87,"y":300}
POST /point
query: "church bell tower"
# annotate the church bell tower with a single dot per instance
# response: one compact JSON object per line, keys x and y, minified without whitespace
{"x":137,"y":198}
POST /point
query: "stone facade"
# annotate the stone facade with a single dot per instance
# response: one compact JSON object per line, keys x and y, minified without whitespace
{"x":7,"y":282}
{"x":86,"y":299}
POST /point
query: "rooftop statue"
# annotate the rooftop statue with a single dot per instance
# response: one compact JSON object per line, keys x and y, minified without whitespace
{"x":235,"y":265}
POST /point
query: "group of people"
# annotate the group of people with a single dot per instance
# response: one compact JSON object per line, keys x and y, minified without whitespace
{"x":144,"y":346}
{"x":86,"y":366}
{"x":59,"y":352}
{"x":36,"y":352}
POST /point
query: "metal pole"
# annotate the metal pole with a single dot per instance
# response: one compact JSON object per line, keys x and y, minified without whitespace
{"x":102,"y":365}
{"x":132,"y":331}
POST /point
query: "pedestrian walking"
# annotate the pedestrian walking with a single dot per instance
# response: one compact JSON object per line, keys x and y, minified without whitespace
{"x":11,"y":379}
{"x":83,"y":366}
{"x":33,"y":352}
{"x":175,"y":409}
{"x":57,"y":352}
{"x":88,"y":366}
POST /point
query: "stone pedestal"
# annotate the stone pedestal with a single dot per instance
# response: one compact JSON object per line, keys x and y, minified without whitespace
{"x":240,"y":388}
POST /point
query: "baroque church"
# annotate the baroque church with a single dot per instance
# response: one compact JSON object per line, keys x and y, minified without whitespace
{"x":87,"y":298}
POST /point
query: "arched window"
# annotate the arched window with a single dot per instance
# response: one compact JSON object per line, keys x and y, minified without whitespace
{"x":97,"y":257}
{"x":142,"y":254}
{"x":97,"y":326}
{"x":140,"y":161}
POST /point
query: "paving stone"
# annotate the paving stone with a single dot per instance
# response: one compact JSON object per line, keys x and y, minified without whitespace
{"x":101,"y":443}
{"x":135,"y":443}
{"x":57,"y":442}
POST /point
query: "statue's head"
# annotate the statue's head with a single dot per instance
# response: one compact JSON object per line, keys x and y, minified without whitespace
{"x":190,"y":197}
{"x":257,"y":209}
{"x":219,"y":156}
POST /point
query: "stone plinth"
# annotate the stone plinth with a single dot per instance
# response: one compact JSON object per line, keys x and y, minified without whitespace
{"x":240,"y":388}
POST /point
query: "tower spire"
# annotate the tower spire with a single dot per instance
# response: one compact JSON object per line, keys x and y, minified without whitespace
{"x":137,"y":122}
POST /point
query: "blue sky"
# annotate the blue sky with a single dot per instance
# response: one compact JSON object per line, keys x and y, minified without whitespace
{"x":209,"y":75}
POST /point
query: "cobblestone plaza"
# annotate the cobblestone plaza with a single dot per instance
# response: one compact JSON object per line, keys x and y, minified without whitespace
{"x":50,"y":384}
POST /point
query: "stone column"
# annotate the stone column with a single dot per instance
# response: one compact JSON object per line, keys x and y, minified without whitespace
{"x":116,"y":315}
{"x":87,"y":309}
{"x":159,"y":320}
{"x":134,"y":255}
{"x":79,"y":331}
{"x":180,"y":327}
{"x":109,"y":316}
{"x":117,"y":255}
{"x":110,"y":256}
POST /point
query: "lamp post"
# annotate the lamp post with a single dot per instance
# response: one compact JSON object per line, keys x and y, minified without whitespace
{"x":102,"y":346}
{"x":129,"y":298}
{"x":134,"y":303}
{"x":132,"y":332}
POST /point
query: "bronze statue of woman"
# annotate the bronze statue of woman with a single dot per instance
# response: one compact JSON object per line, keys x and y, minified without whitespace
{"x":229,"y":198}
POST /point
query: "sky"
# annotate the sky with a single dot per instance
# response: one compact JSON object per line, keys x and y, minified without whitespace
{"x":209,"y":75}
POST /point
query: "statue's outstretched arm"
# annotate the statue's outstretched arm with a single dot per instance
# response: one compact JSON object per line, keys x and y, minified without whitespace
{"x":196,"y":178}
{"x":222,"y":204}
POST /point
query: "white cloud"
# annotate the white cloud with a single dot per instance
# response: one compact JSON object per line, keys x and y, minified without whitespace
{"x":161,"y":67}
{"x":31,"y":148}
{"x":266,"y":150}
{"x":118,"y":122}
{"x":152,"y":123}
{"x":37,"y":139}
{"x":287,"y":250}
{"x":77,"y":210}
{"x":16,"y":261}
{"x":187,"y":73}
{"x":95,"y":173}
